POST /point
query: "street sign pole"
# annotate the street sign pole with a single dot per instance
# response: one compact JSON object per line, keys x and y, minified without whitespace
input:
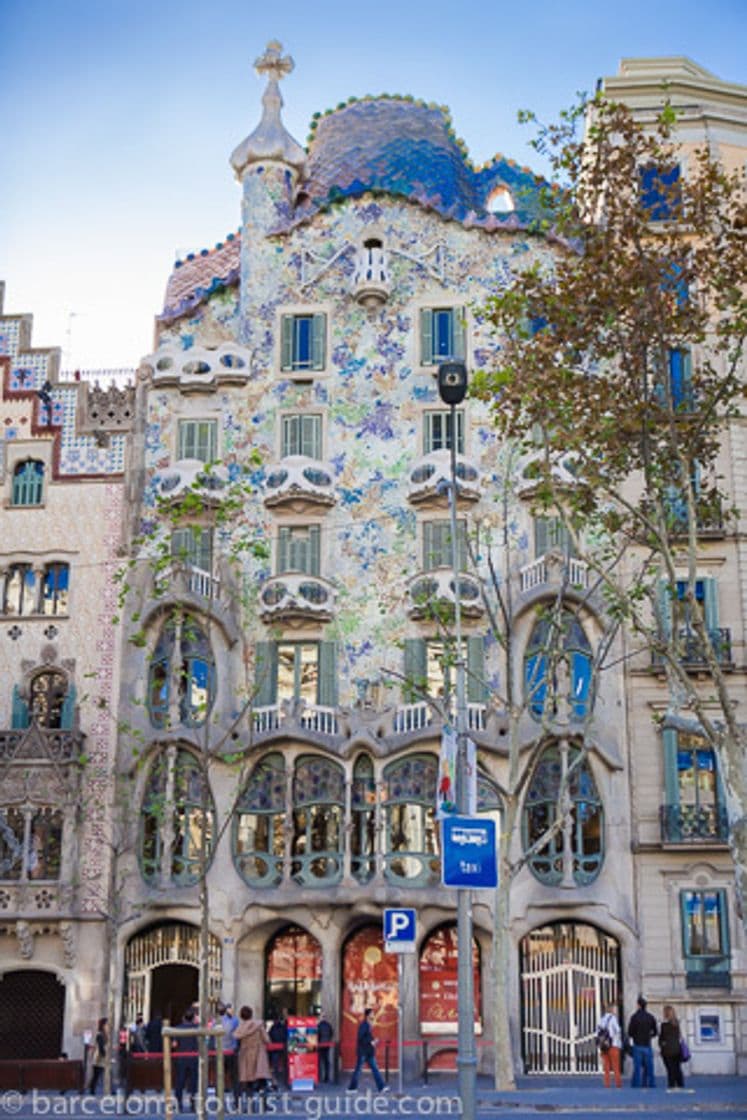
{"x":399,"y":938}
{"x":466,"y":1053}
{"x":401,"y":1018}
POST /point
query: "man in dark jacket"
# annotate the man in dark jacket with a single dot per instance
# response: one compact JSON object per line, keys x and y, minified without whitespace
{"x":324,"y":1035}
{"x":642,"y":1030}
{"x":365,"y":1053}
{"x":185,"y":1060}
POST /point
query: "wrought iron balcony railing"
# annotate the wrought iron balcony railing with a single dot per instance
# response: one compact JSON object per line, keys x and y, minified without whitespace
{"x":684,"y":824}
{"x":691,"y":651}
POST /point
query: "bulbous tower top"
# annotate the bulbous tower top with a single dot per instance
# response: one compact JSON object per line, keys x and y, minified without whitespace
{"x":270,"y":139}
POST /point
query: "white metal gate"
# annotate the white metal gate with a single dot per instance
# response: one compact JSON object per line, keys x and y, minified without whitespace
{"x":569,"y":971}
{"x":167,"y":943}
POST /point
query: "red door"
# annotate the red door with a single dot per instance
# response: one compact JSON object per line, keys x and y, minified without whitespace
{"x":369,"y":979}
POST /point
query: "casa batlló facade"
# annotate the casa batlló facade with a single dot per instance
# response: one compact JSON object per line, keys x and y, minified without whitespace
{"x":285,"y":502}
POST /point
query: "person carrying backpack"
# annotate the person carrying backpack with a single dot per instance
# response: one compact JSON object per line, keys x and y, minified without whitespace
{"x":609,"y":1042}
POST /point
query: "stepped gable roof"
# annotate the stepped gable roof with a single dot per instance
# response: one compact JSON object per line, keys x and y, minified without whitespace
{"x":404,"y":147}
{"x":199,"y":274}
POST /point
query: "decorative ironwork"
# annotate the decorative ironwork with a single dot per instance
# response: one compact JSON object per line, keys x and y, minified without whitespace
{"x":682,"y":823}
{"x":692,"y":653}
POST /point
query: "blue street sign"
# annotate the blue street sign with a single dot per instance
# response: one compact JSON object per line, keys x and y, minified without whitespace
{"x":469,"y":852}
{"x":399,"y":930}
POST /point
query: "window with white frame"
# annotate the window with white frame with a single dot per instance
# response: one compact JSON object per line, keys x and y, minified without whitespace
{"x":437,"y":433}
{"x":438,"y":546}
{"x":301,"y":435}
{"x":198,"y":439}
{"x":299,"y":549}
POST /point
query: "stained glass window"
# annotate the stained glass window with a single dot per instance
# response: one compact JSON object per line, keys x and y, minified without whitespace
{"x":584,"y":830}
{"x":410,"y":832}
{"x":173,"y":819}
{"x":318,"y":814}
{"x":363,"y":832}
{"x":562,"y":642}
{"x":258,"y":835}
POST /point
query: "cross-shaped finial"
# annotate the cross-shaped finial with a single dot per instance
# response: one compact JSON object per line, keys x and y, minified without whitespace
{"x":273,"y":63}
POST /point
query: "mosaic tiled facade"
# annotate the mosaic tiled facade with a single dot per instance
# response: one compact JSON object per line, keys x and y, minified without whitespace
{"x":294,"y":388}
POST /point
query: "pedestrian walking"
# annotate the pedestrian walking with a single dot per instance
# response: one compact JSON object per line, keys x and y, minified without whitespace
{"x":324,"y":1035}
{"x":365,"y":1051}
{"x":99,"y":1054}
{"x":254,"y":1065}
{"x":642,"y":1030}
{"x":609,"y":1041}
{"x":185,"y":1060}
{"x":670,"y":1044}
{"x":230,"y":1022}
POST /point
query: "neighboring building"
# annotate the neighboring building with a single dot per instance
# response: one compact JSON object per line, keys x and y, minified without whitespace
{"x":289,"y":422}
{"x":62,"y":464}
{"x":692,"y":937}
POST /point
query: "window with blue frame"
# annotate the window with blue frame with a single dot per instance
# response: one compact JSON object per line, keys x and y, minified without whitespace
{"x":442,"y":335}
{"x":558,"y":641}
{"x":55,"y":588}
{"x":694,"y":808}
{"x":182,"y":660}
{"x":660,"y":192}
{"x":28,"y":484}
{"x":677,"y":610}
{"x":680,"y":380}
{"x":578,"y":847}
{"x":705,"y":938}
{"x":303,"y":342}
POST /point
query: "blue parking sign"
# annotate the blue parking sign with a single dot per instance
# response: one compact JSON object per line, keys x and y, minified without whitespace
{"x":469,"y":852}
{"x":399,"y":930}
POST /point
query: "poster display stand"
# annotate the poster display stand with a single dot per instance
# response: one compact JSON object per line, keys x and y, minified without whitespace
{"x":303,"y":1058}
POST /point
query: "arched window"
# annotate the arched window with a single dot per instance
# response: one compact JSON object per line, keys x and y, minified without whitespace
{"x":258,"y":827}
{"x":293,"y":973}
{"x":173,"y":818}
{"x":562,"y":643}
{"x":183,"y":660}
{"x":411,"y":836}
{"x":28,"y":483}
{"x":363,"y":807}
{"x":318,"y":810}
{"x":574,"y":854}
{"x":51,"y":701}
{"x":55,"y":586}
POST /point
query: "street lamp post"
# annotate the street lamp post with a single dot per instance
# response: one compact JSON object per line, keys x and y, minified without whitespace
{"x":452,"y":388}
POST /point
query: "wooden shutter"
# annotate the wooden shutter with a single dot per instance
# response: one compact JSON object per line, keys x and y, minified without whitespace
{"x":67,"y":712}
{"x":310,"y":441}
{"x":318,"y":340}
{"x":313,"y":567}
{"x":20,"y":713}
{"x":415,"y":669}
{"x":710,"y":603}
{"x":426,"y":336}
{"x":266,"y":674}
{"x":459,"y":331}
{"x":286,"y":341}
{"x":671,"y":772}
{"x":327,"y":687}
{"x":477,"y":689}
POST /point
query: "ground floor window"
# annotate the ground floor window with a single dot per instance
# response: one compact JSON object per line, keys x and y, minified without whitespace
{"x":293,"y":973}
{"x":32,"y":1012}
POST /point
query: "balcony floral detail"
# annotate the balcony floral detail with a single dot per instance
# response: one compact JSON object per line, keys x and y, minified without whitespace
{"x":191,"y":475}
{"x":298,"y":481}
{"x":297,"y":596}
{"x":430,"y":593}
{"x":430,"y":478}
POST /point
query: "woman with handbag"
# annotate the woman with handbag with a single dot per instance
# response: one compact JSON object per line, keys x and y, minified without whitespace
{"x":609,"y":1041}
{"x":670,"y":1043}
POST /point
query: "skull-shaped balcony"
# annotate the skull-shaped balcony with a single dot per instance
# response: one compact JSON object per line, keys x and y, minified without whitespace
{"x":434,"y":594}
{"x":300,"y":484}
{"x":296,"y":598}
{"x":191,"y":478}
{"x":430,"y":479}
{"x":371,"y":279}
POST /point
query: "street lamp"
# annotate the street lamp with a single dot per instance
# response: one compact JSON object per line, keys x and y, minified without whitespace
{"x":452,"y":388}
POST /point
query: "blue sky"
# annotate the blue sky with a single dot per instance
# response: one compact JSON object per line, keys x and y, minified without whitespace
{"x":118,"y":118}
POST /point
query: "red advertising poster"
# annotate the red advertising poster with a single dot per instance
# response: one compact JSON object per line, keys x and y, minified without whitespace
{"x":302,"y":1053}
{"x":369,"y":979}
{"x":439,"y":1006}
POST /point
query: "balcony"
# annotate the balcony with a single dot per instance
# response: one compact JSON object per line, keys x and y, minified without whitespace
{"x":692,"y":654}
{"x":553,"y":569}
{"x":296,"y":596}
{"x":430,"y":594}
{"x":188,"y":477}
{"x":186,"y":579}
{"x":430,"y":479}
{"x":692,"y":824}
{"x":40,"y":899}
{"x":371,"y":280}
{"x":300,"y":483}
{"x":416,"y":717}
{"x":313,"y":718}
{"x":199,"y":368}
{"x":708,"y":972}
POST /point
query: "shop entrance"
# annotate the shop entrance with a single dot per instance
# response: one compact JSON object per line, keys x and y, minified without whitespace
{"x":293,"y":973}
{"x":369,"y":979}
{"x":173,"y":988}
{"x":32,"y":1011}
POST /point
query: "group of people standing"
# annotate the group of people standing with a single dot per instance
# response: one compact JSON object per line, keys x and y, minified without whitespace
{"x":642,"y":1030}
